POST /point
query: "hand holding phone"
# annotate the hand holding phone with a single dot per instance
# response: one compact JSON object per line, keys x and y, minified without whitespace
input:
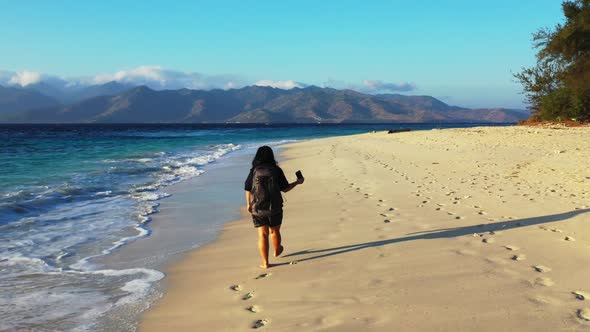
{"x":299,"y":177}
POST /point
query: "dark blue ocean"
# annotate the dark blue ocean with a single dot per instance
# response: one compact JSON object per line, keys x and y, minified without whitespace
{"x":73,"y":194}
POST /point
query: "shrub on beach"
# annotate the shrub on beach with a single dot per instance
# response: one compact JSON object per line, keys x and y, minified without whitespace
{"x":558,"y":86}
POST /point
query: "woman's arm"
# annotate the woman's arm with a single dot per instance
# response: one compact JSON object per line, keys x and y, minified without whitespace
{"x":293,"y":185}
{"x":248,"y":202}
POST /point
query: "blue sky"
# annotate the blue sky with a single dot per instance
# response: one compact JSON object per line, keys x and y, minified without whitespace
{"x":460,"y":51}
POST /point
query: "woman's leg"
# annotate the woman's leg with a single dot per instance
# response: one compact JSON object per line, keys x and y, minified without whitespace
{"x":263,"y":245}
{"x":275,"y":236}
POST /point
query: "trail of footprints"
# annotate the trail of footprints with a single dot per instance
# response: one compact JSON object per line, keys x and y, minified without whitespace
{"x":454,"y":200}
{"x":252,"y":308}
{"x":488,"y":237}
{"x":543,"y":280}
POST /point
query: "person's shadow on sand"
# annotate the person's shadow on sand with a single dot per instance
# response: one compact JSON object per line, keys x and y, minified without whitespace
{"x":440,"y":233}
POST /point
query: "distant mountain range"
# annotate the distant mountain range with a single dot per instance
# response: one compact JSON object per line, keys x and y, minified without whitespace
{"x":15,"y":100}
{"x":117,"y":103}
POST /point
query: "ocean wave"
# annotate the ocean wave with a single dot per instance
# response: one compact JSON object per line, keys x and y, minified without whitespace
{"x":164,"y":170}
{"x":61,"y":230}
{"x":77,"y":308}
{"x":136,"y":288}
{"x":272,"y":143}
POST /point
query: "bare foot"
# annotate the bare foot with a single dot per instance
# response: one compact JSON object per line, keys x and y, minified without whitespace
{"x":279,"y":252}
{"x":265,"y":266}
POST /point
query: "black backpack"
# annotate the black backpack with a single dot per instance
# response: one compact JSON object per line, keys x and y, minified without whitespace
{"x":266,"y":194}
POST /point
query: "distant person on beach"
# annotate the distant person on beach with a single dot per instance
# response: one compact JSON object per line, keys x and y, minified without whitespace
{"x":264,"y":201}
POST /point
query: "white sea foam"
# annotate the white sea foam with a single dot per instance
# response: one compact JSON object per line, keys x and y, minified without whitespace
{"x":150,"y":196}
{"x":272,"y":143}
{"x":33,"y":264}
{"x":136,"y":287}
{"x":63,"y":242}
{"x":47,"y":305}
{"x":129,"y":160}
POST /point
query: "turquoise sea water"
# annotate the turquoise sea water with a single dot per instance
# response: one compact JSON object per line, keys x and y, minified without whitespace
{"x":72,"y":194}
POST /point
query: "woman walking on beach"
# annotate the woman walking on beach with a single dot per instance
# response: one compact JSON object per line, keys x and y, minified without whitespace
{"x":263,"y":188}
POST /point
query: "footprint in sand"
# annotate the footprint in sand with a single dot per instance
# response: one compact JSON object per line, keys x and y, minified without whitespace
{"x":247,"y":296}
{"x":488,"y":240}
{"x":235,"y":288}
{"x":254,"y":309}
{"x":387,"y":221}
{"x":260,"y":323}
{"x":541,"y":300}
{"x":581,"y":295}
{"x":584,"y":314}
{"x":569,"y":238}
{"x":541,"y":268}
{"x":264,"y":275}
{"x":511,"y":247}
{"x":519,"y":257}
{"x":546,"y":282}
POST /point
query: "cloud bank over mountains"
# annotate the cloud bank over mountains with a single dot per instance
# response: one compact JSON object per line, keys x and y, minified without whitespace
{"x":25,"y":78}
{"x":159,"y":78}
{"x":377,"y":85}
{"x":285,"y":85}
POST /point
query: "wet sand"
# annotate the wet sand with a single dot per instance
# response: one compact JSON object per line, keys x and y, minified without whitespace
{"x":459,"y":229}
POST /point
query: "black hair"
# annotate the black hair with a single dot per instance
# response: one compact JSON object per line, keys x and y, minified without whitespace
{"x":264,"y":155}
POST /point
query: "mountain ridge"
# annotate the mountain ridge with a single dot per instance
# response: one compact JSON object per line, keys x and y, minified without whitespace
{"x":258,"y":104}
{"x":13,"y":100}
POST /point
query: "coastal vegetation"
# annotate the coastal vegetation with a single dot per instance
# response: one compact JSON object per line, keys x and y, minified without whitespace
{"x":558,"y":86}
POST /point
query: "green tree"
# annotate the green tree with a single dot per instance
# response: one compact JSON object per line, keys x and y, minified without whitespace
{"x":558,"y":86}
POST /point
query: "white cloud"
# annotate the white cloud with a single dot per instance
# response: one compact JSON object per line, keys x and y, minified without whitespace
{"x":154,"y":77}
{"x":24,"y":78}
{"x":380,"y":86}
{"x":157,"y":77}
{"x":371,"y":86}
{"x":286,"y":85}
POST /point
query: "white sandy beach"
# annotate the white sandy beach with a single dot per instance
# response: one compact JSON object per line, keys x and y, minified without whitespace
{"x":483,"y":229}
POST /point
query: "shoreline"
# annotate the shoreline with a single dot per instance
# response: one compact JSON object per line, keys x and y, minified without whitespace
{"x":355,"y":273}
{"x":168,"y":242}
